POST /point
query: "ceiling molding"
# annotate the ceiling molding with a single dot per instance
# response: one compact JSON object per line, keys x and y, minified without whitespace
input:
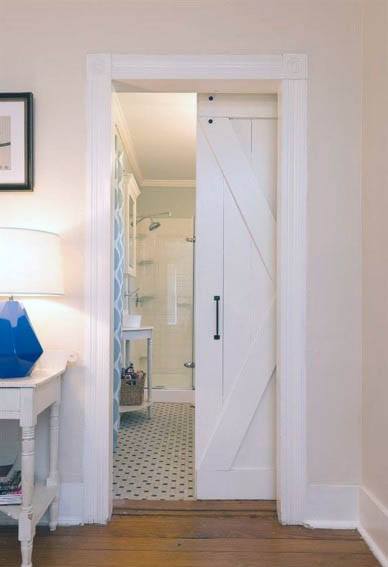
{"x":169,"y":183}
{"x":123,"y":129}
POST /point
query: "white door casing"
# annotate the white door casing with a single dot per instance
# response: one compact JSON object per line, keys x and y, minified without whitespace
{"x":285,"y":74}
{"x":235,"y":401}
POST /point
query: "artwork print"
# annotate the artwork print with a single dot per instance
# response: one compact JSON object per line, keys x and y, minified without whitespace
{"x":16,"y":142}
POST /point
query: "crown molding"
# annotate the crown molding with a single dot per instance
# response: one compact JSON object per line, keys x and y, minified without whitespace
{"x":123,"y":129}
{"x":168,"y":183}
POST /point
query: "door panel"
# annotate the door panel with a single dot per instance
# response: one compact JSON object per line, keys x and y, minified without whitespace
{"x":243,"y":185}
{"x":209,"y":267}
{"x":236,"y":188}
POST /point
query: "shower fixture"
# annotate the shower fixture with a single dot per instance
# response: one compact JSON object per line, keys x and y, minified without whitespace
{"x":153,"y":223}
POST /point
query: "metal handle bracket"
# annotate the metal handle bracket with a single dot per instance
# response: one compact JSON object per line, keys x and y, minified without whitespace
{"x":217,"y":336}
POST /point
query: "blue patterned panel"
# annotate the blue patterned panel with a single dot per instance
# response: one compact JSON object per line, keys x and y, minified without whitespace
{"x":119,"y":255}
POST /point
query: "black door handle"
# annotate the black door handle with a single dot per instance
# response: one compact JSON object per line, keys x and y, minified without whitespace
{"x":217,"y":300}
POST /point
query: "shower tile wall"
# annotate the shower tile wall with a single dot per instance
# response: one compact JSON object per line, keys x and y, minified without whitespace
{"x":164,"y":277}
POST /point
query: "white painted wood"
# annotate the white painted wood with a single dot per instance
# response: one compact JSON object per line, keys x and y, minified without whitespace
{"x":169,"y":183}
{"x":26,"y":527}
{"x":265,"y":149}
{"x":120,"y":124}
{"x":373,"y":524}
{"x":291,"y":297}
{"x":239,"y":106}
{"x":99,"y":293}
{"x":331,"y":506}
{"x":24,"y":399}
{"x":249,"y":307}
{"x":38,"y":380}
{"x":42,"y":497}
{"x":48,"y":394}
{"x":375,"y":548}
{"x":238,"y":484}
{"x":131,"y":193}
{"x":242,"y":182}
{"x":71,"y":503}
{"x":246,"y":393}
{"x":265,"y":67}
{"x":136,"y":334}
{"x":208,"y":283}
{"x":53,"y":478}
{"x":149,"y":375}
{"x":289,"y":73}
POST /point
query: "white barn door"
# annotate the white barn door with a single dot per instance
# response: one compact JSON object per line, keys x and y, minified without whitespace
{"x":236,"y":262}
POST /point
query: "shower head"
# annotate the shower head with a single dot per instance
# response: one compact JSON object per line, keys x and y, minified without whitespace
{"x":153,"y":225}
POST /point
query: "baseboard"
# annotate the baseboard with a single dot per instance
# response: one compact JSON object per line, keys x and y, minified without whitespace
{"x":331,"y":506}
{"x":373,"y":525}
{"x":71,"y":504}
{"x":173,"y":395}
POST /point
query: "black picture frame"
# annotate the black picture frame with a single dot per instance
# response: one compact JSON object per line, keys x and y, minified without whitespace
{"x":28,"y":182}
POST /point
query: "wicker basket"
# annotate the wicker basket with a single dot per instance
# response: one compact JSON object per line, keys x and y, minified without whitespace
{"x":132,"y":390}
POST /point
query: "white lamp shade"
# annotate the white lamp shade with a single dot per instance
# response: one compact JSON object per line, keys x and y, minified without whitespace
{"x":30,"y":262}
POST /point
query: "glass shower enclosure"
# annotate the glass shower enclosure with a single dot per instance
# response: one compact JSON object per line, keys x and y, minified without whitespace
{"x":162,"y":293}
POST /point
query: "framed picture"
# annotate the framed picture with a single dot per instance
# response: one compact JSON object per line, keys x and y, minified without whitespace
{"x":16,"y":142}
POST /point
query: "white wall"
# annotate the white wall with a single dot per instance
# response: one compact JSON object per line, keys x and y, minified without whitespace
{"x":374,"y":492}
{"x":179,"y":200}
{"x":43,"y":46}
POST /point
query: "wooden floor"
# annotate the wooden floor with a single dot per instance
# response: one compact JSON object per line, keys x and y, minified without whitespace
{"x":191,"y":534}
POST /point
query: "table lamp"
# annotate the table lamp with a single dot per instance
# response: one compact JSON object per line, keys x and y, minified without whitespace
{"x":30,"y":265}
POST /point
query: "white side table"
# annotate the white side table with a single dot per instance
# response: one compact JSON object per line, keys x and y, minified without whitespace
{"x":136,"y":334}
{"x":24,"y":399}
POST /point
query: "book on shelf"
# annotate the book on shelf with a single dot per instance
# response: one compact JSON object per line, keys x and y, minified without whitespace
{"x":10,"y":484}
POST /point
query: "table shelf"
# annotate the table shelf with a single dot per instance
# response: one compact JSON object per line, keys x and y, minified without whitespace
{"x":41,"y":500}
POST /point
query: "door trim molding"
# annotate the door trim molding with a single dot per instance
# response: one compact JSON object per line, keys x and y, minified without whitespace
{"x":289,"y":71}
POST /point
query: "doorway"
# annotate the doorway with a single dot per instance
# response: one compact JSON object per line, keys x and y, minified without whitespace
{"x":284,"y":74}
{"x":154,"y":185}
{"x":162,"y":140}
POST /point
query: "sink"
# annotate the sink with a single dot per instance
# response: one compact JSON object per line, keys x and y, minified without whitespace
{"x":131,"y":320}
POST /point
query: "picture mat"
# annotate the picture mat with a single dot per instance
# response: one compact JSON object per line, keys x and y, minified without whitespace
{"x":15,"y":110}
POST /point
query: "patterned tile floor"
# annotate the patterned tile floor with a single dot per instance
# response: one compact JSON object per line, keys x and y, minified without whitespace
{"x":154,"y":459}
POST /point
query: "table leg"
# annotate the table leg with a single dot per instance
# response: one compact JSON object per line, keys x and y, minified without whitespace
{"x":149,"y":375}
{"x":53,"y":478}
{"x":26,"y":527}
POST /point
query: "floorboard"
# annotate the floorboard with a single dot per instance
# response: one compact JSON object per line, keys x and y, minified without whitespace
{"x":191,"y":534}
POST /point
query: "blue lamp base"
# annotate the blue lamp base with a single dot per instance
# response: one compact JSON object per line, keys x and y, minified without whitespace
{"x":19,"y":345}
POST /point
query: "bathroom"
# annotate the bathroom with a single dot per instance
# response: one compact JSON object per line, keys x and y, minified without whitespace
{"x":154,"y":191}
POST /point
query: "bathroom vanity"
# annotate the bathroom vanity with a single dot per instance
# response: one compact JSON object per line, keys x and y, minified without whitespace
{"x":137,"y":334}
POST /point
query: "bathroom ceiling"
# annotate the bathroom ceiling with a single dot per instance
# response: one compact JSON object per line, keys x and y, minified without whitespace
{"x":162,"y":133}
